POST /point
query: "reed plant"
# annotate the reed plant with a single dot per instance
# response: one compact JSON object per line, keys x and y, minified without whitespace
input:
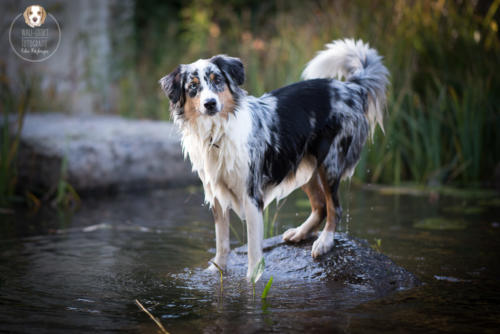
{"x":15,"y":102}
{"x":10,"y":133}
{"x":442,"y":115}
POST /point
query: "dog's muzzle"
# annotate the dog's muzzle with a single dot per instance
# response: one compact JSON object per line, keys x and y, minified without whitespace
{"x":210,"y":106}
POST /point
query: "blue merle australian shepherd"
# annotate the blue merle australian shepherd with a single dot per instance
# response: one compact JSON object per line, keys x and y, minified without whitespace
{"x":250,"y":150}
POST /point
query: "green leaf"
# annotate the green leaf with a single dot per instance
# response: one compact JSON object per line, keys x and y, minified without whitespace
{"x":267,"y":288}
{"x":258,"y":271}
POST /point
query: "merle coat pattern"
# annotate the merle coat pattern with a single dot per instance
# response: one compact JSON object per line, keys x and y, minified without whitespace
{"x":249,"y":151}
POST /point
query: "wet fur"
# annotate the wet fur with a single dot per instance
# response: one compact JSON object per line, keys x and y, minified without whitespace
{"x":250,"y":151}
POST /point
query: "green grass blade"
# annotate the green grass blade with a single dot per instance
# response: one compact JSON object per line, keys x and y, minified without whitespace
{"x":221,"y":277}
{"x":267,"y":288}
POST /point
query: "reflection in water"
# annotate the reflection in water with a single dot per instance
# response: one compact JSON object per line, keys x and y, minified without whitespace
{"x":82,"y":273}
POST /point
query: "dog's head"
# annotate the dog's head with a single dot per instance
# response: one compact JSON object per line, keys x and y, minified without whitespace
{"x":207,"y":87}
{"x":34,"y":16}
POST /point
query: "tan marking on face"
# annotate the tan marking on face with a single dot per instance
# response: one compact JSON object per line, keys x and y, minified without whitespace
{"x":212,"y":76}
{"x":191,"y":108}
{"x":192,"y":105}
{"x":227,"y":101}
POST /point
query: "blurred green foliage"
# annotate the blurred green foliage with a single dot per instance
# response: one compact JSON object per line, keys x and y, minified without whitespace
{"x":10,"y":133}
{"x":442,"y":117}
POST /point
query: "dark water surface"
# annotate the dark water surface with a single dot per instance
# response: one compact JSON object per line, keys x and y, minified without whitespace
{"x":81,"y":272}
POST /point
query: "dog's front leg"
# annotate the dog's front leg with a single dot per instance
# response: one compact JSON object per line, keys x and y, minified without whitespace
{"x":255,"y":235}
{"x":221,"y":218}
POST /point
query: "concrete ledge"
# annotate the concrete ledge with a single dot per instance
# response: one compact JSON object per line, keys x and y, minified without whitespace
{"x":101,"y":153}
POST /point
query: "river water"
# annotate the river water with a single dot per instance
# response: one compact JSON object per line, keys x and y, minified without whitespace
{"x":81,"y":272}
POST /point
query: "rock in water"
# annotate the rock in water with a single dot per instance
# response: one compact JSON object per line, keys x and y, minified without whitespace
{"x":101,"y":152}
{"x":352,"y":261}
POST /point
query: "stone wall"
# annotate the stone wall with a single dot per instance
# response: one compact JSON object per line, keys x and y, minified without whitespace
{"x":81,"y":75}
{"x":100,"y":153}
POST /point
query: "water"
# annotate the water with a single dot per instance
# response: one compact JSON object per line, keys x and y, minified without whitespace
{"x":81,"y":272}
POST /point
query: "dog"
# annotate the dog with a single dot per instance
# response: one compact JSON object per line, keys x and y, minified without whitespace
{"x":250,"y":150}
{"x":34,"y":16}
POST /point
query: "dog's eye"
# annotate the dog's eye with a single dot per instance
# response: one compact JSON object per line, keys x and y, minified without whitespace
{"x":216,"y":80}
{"x":31,"y":13}
{"x":38,"y":13}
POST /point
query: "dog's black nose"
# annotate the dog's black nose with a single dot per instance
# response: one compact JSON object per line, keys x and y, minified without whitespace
{"x":210,"y":104}
{"x":34,"y":19}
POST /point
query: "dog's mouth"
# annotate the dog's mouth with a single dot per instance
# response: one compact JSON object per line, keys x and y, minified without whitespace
{"x":211,"y":112}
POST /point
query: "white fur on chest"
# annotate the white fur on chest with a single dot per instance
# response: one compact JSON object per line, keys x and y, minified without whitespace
{"x":217,"y":148}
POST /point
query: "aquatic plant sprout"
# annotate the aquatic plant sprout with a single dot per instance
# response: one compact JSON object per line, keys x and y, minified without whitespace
{"x":220,"y":272}
{"x":267,"y":288}
{"x":257,"y":273}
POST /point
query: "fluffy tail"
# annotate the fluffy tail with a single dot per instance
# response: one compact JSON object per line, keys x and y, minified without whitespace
{"x":356,"y":62}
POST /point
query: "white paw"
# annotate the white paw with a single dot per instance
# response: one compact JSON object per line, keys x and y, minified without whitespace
{"x":323,"y":244}
{"x":213,"y":269}
{"x":294,"y":235}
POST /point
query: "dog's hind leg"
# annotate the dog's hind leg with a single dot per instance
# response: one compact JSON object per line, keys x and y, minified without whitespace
{"x":316,"y":195}
{"x":221,"y":218}
{"x":325,"y":241}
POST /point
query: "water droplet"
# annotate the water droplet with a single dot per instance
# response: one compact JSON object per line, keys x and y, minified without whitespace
{"x":348,"y":197}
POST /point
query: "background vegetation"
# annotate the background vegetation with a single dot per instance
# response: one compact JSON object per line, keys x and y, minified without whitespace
{"x":442,"y":116}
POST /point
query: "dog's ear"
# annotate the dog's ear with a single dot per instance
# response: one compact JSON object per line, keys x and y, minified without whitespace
{"x":173,"y":86}
{"x":44,"y":15}
{"x":25,"y":14}
{"x":232,"y":68}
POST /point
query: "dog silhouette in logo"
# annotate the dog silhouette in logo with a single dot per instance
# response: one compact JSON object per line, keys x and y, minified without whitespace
{"x":34,"y":16}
